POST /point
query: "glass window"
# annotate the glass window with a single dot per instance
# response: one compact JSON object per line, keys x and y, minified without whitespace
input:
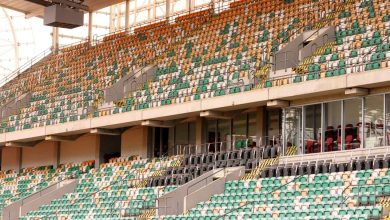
{"x":192,"y":133}
{"x":387,"y":119}
{"x":292,"y":121}
{"x":273,"y":126}
{"x":332,"y":119}
{"x":353,"y":123}
{"x":239,"y":128}
{"x":312,"y":128}
{"x":373,"y":118}
{"x":211,"y":136}
{"x":252,"y":131}
{"x":181,"y":134}
{"x":224,"y":135}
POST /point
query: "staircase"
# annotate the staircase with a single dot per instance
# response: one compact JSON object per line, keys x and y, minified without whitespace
{"x":200,"y":189}
{"x":267,"y":163}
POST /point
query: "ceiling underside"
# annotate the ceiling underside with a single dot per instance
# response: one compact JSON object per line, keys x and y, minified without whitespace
{"x":35,"y":10}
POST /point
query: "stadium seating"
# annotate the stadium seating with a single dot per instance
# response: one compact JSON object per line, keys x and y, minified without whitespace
{"x":194,"y":165}
{"x":15,"y":186}
{"x":195,"y":64}
{"x":341,"y":195}
{"x":361,"y":44}
{"x":114,"y":190}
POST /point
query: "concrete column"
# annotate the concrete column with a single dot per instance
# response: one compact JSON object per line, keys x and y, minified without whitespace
{"x":191,"y":5}
{"x":260,"y":125}
{"x":127,"y":15}
{"x":97,"y":150}
{"x":90,"y":25}
{"x":168,"y":8}
{"x":54,"y":37}
{"x":199,"y":132}
{"x":58,"y":154}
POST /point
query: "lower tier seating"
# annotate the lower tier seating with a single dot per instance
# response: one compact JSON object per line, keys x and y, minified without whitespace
{"x":115,"y":190}
{"x":339,"y":195}
{"x":15,"y":186}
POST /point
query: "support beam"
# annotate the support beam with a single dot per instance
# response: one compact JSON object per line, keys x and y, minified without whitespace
{"x":55,"y":36}
{"x":190,"y":5}
{"x":105,"y":131}
{"x":191,"y":119}
{"x":34,"y":13}
{"x":214,"y":114}
{"x":249,"y":110}
{"x":356,"y":91}
{"x":278,"y":104}
{"x":127,"y":15}
{"x":72,"y":4}
{"x":22,"y":144}
{"x":90,"y":25}
{"x":159,"y":124}
{"x":167,"y":8}
{"x":62,"y":138}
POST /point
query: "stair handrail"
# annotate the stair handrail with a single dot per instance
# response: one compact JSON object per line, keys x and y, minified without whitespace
{"x":19,"y":70}
{"x":61,"y":180}
{"x":327,"y":21}
{"x":78,"y":200}
{"x":66,"y":177}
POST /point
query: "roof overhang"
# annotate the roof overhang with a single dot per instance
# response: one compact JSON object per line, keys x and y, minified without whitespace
{"x":34,"y":9}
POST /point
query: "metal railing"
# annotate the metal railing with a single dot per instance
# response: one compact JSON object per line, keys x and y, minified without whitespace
{"x":36,"y":188}
{"x":25,"y":66}
{"x":81,"y":199}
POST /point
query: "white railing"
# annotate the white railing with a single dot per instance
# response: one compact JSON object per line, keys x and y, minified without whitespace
{"x":25,"y":66}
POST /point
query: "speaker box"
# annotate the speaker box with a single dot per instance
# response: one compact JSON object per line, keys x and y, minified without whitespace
{"x":63,"y":17}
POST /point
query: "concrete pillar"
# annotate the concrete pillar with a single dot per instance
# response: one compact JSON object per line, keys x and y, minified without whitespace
{"x":90,"y":25}
{"x":97,"y":151}
{"x":168,"y":9}
{"x":58,"y":154}
{"x":199,"y":133}
{"x":191,"y":5}
{"x":127,"y":15}
{"x":54,"y":37}
{"x":260,"y":125}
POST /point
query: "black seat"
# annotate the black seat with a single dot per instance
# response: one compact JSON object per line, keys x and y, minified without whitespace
{"x":267,"y":152}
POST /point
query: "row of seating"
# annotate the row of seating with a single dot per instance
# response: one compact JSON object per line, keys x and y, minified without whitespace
{"x":15,"y":186}
{"x":192,"y":64}
{"x":327,"y":166}
{"x":337,"y":195}
{"x":115,"y":190}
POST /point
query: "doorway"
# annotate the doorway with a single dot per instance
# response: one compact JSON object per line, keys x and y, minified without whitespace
{"x":160,"y":141}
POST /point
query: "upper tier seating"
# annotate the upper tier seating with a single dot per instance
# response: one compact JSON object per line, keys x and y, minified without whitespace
{"x":196,"y":64}
{"x":15,"y":186}
{"x":116,"y":190}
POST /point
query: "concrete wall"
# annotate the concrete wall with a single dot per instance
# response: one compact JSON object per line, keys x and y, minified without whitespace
{"x":135,"y":141}
{"x":84,"y":148}
{"x":44,"y":153}
{"x":173,"y":203}
{"x":204,"y":193}
{"x":200,"y":189}
{"x":11,"y":158}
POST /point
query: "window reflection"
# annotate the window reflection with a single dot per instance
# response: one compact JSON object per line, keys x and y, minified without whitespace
{"x":373,"y":118}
